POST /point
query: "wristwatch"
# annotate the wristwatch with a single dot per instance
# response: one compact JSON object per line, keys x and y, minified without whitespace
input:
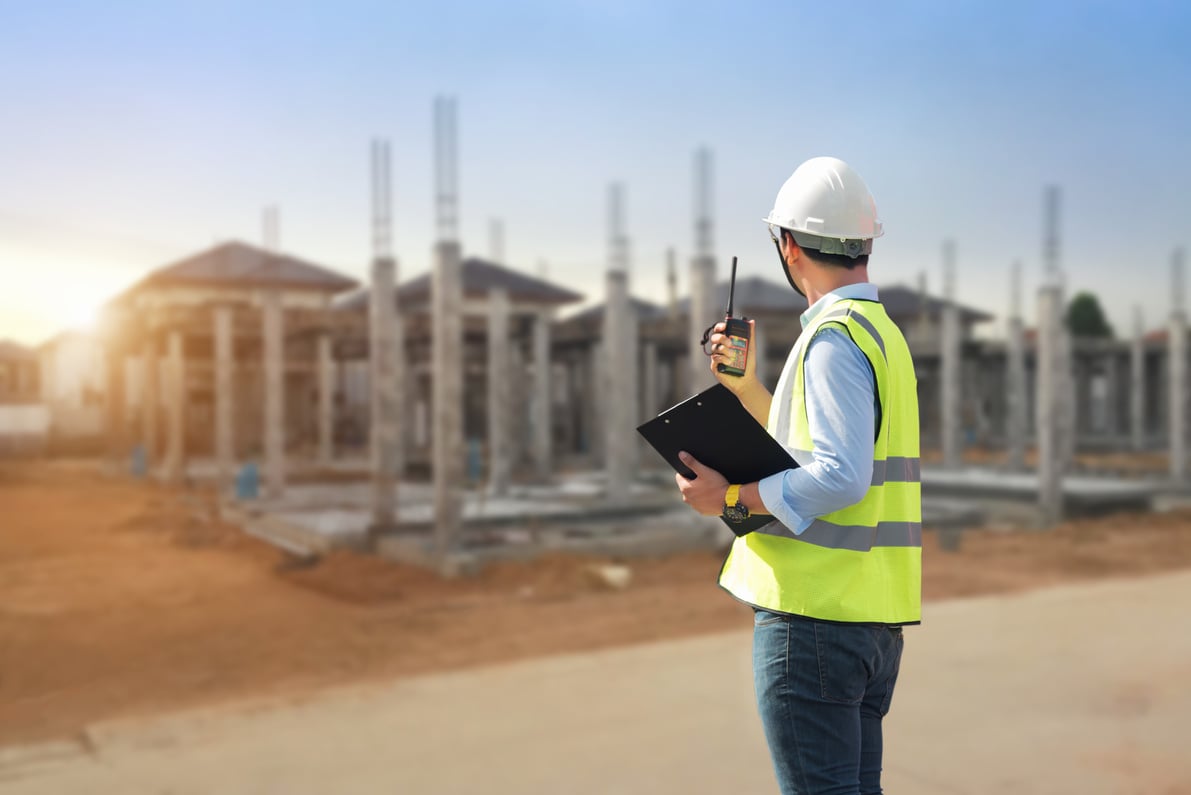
{"x":734,"y":510}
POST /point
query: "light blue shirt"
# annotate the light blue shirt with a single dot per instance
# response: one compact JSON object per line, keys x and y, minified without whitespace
{"x":841,"y":406}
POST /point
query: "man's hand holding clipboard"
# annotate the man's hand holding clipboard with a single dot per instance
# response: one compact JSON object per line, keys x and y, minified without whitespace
{"x":722,"y":442}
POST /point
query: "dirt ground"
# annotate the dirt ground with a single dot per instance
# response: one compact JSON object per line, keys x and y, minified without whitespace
{"x":120,"y":598}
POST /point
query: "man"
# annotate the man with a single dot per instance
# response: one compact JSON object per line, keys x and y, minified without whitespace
{"x":836,"y":574}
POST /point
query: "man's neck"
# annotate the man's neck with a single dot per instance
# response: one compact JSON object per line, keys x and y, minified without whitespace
{"x":833,"y":281}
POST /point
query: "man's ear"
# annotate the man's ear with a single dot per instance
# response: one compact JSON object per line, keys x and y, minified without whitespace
{"x":792,"y":251}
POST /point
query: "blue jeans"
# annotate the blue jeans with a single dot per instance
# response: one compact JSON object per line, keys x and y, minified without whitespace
{"x":822,"y":690}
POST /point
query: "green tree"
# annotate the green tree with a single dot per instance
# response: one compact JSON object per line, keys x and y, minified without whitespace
{"x":1085,"y":318}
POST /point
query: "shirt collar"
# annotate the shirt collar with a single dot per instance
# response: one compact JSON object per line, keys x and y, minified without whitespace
{"x":864,"y":291}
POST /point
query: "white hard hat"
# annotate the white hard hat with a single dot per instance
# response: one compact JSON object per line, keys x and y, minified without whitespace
{"x":828,"y":208}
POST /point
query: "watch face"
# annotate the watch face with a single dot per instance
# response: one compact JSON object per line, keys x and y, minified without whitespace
{"x":736,"y":513}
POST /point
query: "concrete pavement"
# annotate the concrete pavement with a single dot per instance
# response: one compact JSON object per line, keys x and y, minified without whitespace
{"x":1079,"y":689}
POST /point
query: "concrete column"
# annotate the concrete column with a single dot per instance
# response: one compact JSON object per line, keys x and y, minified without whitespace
{"x":273,"y":334}
{"x":1015,"y":377}
{"x":1050,"y":472}
{"x":175,"y":463}
{"x":385,"y":410}
{"x":704,"y":310}
{"x":542,"y":408}
{"x":326,"y":399}
{"x":499,"y":393}
{"x":649,"y":380}
{"x":149,"y":400}
{"x":951,"y":391}
{"x":225,"y":397}
{"x":620,"y":346}
{"x":1178,"y":377}
{"x":1137,"y":382}
{"x":446,"y":315}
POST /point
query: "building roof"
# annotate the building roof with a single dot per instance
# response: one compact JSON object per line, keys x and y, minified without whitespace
{"x":903,"y":301}
{"x":756,"y":294}
{"x":479,"y":277}
{"x":236,"y":264}
{"x":645,"y":311}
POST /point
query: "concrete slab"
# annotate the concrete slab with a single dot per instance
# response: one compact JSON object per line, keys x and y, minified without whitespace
{"x":1081,"y":494}
{"x":1077,"y":689}
{"x":317,"y":517}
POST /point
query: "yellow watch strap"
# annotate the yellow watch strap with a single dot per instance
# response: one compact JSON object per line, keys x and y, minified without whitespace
{"x":733,"y":495}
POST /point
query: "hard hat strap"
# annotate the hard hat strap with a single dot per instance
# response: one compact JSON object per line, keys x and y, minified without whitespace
{"x":786,"y":271}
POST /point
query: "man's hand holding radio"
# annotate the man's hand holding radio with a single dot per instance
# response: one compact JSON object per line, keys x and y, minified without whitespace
{"x":720,"y":354}
{"x":748,"y":389}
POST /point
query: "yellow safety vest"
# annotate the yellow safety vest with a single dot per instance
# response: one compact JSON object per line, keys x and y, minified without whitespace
{"x":862,"y":563}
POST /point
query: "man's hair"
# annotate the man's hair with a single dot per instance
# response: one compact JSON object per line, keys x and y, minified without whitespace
{"x":831,"y":260}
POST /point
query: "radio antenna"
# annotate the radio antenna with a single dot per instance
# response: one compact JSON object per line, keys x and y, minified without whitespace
{"x":732,"y":288}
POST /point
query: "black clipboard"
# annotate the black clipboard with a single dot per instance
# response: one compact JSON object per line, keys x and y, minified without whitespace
{"x":718,"y":431}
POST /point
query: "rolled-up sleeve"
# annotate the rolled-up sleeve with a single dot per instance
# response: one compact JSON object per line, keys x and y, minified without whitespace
{"x":842,"y":413}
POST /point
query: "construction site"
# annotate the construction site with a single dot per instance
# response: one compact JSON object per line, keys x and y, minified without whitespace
{"x":269,"y":527}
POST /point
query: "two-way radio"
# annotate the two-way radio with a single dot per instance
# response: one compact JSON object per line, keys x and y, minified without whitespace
{"x":738,"y":333}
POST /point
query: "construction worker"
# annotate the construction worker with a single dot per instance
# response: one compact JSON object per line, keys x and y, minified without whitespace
{"x":836,"y":573}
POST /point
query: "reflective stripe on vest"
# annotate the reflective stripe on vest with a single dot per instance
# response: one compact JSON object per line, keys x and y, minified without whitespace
{"x":861,"y":563}
{"x":894,"y":469}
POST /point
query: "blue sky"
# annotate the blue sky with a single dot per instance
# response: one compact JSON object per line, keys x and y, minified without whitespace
{"x":137,"y":133}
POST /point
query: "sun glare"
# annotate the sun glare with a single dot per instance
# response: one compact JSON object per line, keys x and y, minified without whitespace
{"x":75,"y":308}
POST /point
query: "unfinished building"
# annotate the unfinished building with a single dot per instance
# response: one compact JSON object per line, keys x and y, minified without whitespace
{"x":226,"y":355}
